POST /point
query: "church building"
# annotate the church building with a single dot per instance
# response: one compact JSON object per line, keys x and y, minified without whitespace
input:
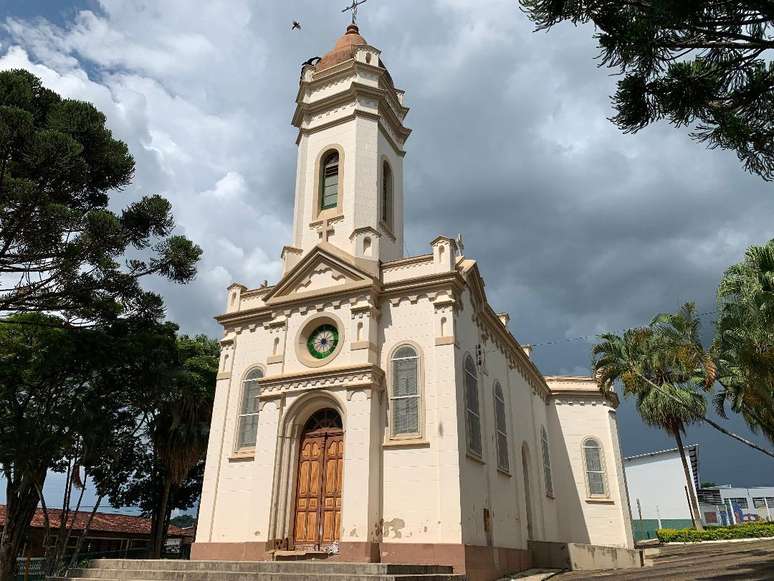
{"x":372,"y":406}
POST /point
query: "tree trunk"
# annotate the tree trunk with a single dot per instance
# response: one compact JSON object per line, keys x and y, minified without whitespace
{"x":159,"y":521}
{"x":695,"y":514}
{"x":21,"y":502}
{"x":84,"y":532}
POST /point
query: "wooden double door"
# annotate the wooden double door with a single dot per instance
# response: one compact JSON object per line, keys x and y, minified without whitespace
{"x":318,"y":488}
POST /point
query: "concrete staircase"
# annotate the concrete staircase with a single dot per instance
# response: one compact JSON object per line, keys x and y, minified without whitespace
{"x":143,"y":570}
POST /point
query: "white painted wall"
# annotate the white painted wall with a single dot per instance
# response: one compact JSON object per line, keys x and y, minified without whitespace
{"x":658,"y":482}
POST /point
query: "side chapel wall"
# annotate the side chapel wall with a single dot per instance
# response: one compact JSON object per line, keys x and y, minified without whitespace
{"x":597,"y":521}
{"x":484,"y":486}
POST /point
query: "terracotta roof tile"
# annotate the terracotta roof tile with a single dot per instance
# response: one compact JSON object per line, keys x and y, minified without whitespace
{"x":344,"y":49}
{"x":103,"y":522}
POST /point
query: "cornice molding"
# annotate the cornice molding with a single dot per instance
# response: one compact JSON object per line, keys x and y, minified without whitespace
{"x":352,"y":378}
{"x":350,"y":96}
{"x":335,"y":296}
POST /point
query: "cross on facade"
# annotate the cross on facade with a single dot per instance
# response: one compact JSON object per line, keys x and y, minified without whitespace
{"x":353,"y":8}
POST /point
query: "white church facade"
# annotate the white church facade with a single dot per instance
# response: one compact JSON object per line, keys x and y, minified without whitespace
{"x":373,"y":406}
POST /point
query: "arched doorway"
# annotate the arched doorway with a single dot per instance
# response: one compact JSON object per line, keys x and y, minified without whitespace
{"x":318,"y":489}
{"x":527,"y":494}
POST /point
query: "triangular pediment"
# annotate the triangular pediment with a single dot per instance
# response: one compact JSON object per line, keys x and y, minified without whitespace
{"x":325,"y":270}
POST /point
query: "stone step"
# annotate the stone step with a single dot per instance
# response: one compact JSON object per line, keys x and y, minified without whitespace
{"x":139,"y":575}
{"x":308,"y":566}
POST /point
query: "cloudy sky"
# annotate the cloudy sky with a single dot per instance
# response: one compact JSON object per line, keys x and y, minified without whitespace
{"x":577,"y":228}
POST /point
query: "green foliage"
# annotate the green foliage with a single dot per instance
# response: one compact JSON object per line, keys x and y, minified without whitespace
{"x":744,"y":340}
{"x":168,"y":466}
{"x":664,"y":365}
{"x":705,"y":65}
{"x":62,"y":247}
{"x":72,"y":397}
{"x":68,"y":393}
{"x":183,"y":521}
{"x":752,"y":530}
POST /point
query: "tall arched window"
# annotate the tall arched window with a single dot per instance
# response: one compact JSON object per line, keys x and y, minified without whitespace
{"x":387,"y":188}
{"x":502,"y":431}
{"x":472,"y":409}
{"x":329,"y":181}
{"x":405,"y":398}
{"x":595,"y":467}
{"x":546,"y":462}
{"x":247,"y":430}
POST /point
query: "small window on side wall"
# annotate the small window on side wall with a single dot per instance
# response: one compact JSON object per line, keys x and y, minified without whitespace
{"x":546,"y":463}
{"x":503,"y":462}
{"x":594,"y":460}
{"x":405,"y":396}
{"x":387,"y":194}
{"x":329,"y":180}
{"x":472,"y":408}
{"x":247,"y":430}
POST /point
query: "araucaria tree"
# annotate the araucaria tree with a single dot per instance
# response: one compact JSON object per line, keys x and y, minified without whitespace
{"x":67,"y":260}
{"x":706,"y":65}
{"x":62,"y":249}
{"x":744,"y":341}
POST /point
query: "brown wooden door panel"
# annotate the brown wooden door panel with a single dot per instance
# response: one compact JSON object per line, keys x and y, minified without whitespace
{"x":308,"y":490}
{"x":318,"y":492}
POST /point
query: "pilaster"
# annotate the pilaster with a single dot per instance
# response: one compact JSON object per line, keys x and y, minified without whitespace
{"x":361,"y":489}
{"x":265,"y":468}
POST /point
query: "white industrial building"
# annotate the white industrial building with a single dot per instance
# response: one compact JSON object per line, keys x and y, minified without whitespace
{"x":658,"y":495}
{"x":658,"y":492}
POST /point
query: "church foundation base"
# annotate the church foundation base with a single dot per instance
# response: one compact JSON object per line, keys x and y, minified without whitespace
{"x":478,"y":563}
{"x":229,"y":552}
{"x":358,"y":553}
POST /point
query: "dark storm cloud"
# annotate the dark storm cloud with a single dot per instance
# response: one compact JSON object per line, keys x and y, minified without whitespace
{"x":577,"y":228}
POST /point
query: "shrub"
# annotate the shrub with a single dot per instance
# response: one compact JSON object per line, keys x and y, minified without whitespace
{"x":752,"y":530}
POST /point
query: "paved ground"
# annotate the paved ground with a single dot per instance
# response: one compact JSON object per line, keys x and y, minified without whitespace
{"x":752,"y":560}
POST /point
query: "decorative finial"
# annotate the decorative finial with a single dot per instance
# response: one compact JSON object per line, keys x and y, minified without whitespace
{"x":353,"y":8}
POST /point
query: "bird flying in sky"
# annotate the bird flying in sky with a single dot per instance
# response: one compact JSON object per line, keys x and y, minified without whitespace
{"x":296,"y":25}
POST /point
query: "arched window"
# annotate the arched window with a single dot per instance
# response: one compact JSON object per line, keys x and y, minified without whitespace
{"x":546,"y":462}
{"x":247,"y":431}
{"x":387,"y":188}
{"x":329,"y":181}
{"x":405,"y":397}
{"x":501,"y":428}
{"x":595,"y":467}
{"x":472,"y":409}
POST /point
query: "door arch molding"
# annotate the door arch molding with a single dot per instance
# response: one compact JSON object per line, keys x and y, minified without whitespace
{"x":284,"y":486}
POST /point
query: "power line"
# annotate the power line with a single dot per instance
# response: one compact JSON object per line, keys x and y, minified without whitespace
{"x":583,"y":338}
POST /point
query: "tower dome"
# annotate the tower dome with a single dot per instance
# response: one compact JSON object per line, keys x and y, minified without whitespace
{"x":344,"y":49}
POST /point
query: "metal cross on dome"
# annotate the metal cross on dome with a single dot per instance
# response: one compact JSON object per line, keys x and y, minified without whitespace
{"x":353,"y":8}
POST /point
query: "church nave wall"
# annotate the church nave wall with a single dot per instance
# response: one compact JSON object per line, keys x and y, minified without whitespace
{"x":421,"y":473}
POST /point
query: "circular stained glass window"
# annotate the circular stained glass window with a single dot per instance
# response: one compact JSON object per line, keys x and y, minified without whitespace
{"x":323,"y":341}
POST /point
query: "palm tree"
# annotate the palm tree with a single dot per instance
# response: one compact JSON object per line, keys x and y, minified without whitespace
{"x":663,"y":411}
{"x":744,"y":341}
{"x":179,"y":430}
{"x":665,"y":367}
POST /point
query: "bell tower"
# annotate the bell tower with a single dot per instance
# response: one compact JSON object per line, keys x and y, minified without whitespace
{"x":351,"y":136}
